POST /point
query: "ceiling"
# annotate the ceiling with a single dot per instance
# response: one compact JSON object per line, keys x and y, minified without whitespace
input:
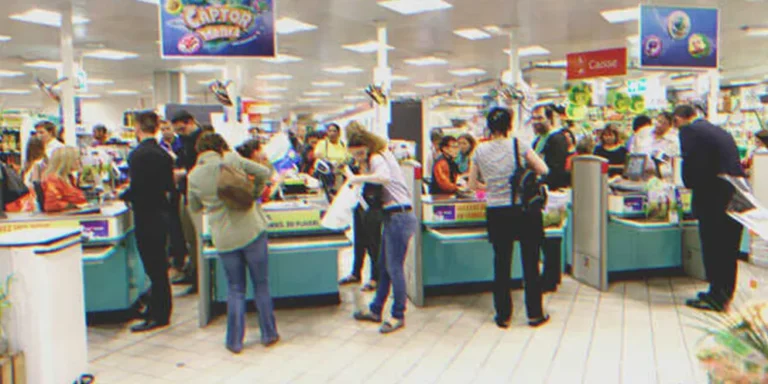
{"x":561,"y":26}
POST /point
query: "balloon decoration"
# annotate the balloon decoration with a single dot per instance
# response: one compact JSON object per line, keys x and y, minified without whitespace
{"x":219,"y":90}
{"x":623,"y":103}
{"x":49,"y":89}
{"x":376,"y":94}
{"x":579,"y":98}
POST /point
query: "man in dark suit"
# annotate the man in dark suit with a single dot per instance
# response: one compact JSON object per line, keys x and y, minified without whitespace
{"x":151,"y":186}
{"x":189,"y":131}
{"x":552,"y":146}
{"x":709,"y":151}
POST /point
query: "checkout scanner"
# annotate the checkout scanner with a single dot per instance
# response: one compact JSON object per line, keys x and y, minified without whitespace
{"x":633,"y":176}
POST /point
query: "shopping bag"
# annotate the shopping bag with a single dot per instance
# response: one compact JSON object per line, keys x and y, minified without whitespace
{"x":13,"y":185}
{"x":341,"y":212}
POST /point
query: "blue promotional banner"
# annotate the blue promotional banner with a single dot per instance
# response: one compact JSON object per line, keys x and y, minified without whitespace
{"x":217,"y":28}
{"x":676,"y":37}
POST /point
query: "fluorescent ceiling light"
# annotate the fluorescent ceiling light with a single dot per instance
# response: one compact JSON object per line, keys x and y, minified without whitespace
{"x":553,"y":64}
{"x":467,"y":72}
{"x":12,"y":91}
{"x":430,"y":85}
{"x":43,"y":64}
{"x":309,"y":100}
{"x":757,"y":32}
{"x":286,"y":26}
{"x":369,"y":46}
{"x":155,"y":2}
{"x":317,"y":93}
{"x":4,"y":38}
{"x":616,"y":16}
{"x":426,"y":61}
{"x":45,"y":17}
{"x":270,"y":97}
{"x":633,"y":40}
{"x":472,"y":34}
{"x":123,"y":92}
{"x":201,"y":68}
{"x":404,"y":94}
{"x":546,"y":90}
{"x":273,"y":89}
{"x":412,"y":7}
{"x":206,"y":82}
{"x":342,"y":70}
{"x":275,"y":76}
{"x":399,"y":78}
{"x":739,"y":83}
{"x":494,"y":30}
{"x":87,"y":96}
{"x":328,"y":84}
{"x":99,"y":81}
{"x":354,"y":97}
{"x":532,"y":50}
{"x":281,"y":59}
{"x":110,"y":54}
{"x":6,"y":73}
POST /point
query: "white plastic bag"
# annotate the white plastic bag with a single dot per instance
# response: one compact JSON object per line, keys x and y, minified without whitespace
{"x":341,"y":212}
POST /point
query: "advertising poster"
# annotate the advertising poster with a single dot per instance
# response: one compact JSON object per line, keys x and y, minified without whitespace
{"x":673,"y":37}
{"x":217,"y":28}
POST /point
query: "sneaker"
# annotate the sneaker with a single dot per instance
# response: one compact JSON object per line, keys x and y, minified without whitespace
{"x":538,"y":322}
{"x":392,"y":325}
{"x":369,"y":287}
{"x":367,"y":316}
{"x":351,"y":279}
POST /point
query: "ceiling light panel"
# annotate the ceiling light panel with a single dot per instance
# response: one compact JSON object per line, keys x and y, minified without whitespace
{"x":281,"y":59}
{"x":155,"y":2}
{"x":757,"y":32}
{"x":272,"y":89}
{"x":87,"y":96}
{"x":309,"y":100}
{"x":270,"y":97}
{"x":472,"y":34}
{"x":343,"y":70}
{"x":467,"y":72}
{"x":533,"y":50}
{"x":426,"y":61}
{"x":399,"y":78}
{"x":430,"y":85}
{"x":6,"y":73}
{"x":317,"y":93}
{"x":110,"y":54}
{"x":4,"y":38}
{"x":494,"y":30}
{"x":45,"y":17}
{"x":369,"y":46}
{"x":287,"y":26}
{"x":12,"y":91}
{"x":618,"y":16}
{"x":99,"y":81}
{"x":354,"y":97}
{"x":123,"y":92}
{"x":328,"y":84}
{"x":201,"y":68}
{"x":274,"y":76}
{"x":413,"y":7}
{"x":404,"y":94}
{"x":43,"y":64}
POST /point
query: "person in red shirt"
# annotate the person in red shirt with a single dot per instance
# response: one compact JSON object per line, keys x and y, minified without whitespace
{"x":445,"y":171}
{"x":59,"y":185}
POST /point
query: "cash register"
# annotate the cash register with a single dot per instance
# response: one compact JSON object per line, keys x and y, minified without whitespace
{"x":633,"y":177}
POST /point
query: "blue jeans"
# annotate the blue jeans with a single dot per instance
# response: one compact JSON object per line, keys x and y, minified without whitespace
{"x":255,"y":258}
{"x":397,"y":232}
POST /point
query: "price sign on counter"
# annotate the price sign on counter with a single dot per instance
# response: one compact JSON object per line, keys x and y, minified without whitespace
{"x":294,"y":220}
{"x":456,"y":213}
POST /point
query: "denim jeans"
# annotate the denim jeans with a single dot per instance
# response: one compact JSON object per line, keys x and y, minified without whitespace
{"x":255,"y":258}
{"x":397,"y":232}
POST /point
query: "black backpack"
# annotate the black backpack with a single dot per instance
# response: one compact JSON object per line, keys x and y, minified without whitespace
{"x":526,"y":186}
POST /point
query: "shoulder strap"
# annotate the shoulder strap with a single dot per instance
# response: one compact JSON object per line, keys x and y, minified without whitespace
{"x":517,"y":153}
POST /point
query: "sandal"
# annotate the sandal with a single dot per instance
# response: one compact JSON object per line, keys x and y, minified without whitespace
{"x":392,"y":326}
{"x":369,"y":287}
{"x":539,"y":321}
{"x":351,"y":279}
{"x":367,"y":316}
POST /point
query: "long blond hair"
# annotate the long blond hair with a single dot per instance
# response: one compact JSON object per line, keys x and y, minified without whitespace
{"x":353,"y":128}
{"x":63,"y":162}
{"x":374,"y":143}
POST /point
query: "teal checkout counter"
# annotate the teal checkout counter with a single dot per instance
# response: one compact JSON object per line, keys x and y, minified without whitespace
{"x":456,"y":256}
{"x":113,"y":274}
{"x":303,"y":258}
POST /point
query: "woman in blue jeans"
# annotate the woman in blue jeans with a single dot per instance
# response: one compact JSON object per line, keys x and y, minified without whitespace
{"x":240,"y":237}
{"x":400,"y":224}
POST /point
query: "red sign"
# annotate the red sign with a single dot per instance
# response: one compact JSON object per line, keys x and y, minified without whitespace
{"x":608,"y":62}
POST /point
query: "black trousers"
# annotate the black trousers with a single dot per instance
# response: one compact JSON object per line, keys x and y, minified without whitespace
{"x":553,"y":256}
{"x":178,"y":244}
{"x":367,"y":229}
{"x":151,"y":239}
{"x":720,"y":247}
{"x":505,"y":226}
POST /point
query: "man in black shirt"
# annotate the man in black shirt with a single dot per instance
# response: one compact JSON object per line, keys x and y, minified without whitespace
{"x":151,"y":185}
{"x":552,"y":146}
{"x":709,"y":151}
{"x":189,"y":131}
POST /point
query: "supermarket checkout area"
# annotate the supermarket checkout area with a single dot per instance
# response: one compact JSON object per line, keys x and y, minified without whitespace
{"x":113,"y":276}
{"x":631,"y":227}
{"x":303,"y":257}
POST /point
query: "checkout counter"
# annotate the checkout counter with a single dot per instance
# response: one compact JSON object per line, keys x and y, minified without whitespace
{"x":112,"y":271}
{"x":303,"y":257}
{"x":456,"y":256}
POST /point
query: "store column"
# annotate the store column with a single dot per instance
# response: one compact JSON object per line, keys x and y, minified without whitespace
{"x":514,"y":73}
{"x":382,"y":76}
{"x":169,"y":88}
{"x":68,"y":70}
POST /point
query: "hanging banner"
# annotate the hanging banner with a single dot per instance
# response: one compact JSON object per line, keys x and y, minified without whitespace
{"x":604,"y":63}
{"x":674,"y":37}
{"x":216,"y":28}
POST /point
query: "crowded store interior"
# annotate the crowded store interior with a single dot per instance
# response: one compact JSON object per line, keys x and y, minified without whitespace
{"x":393,"y":191}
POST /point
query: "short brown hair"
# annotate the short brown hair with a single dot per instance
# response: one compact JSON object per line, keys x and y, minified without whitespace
{"x":50,"y":127}
{"x":211,"y":141}
{"x":148,"y":121}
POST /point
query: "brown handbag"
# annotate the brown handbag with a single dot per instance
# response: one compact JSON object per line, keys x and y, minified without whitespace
{"x":234,"y":188}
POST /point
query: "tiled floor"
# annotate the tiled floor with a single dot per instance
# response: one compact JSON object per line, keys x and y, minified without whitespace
{"x":638,"y":332}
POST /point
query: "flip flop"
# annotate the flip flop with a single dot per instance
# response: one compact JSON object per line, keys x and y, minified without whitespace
{"x":391,"y":326}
